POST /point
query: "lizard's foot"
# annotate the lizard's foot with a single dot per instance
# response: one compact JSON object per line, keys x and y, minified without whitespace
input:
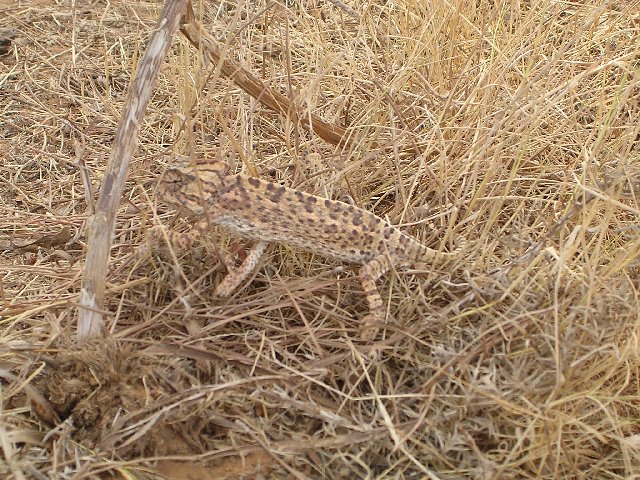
{"x":237,"y":275}
{"x":371,"y":327}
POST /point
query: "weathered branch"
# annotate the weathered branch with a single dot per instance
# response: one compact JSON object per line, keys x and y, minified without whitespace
{"x":201,"y":39}
{"x":102,"y":225}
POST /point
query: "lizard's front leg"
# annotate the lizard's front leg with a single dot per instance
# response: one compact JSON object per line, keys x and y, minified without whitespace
{"x":235,"y":276}
{"x":368,"y":275}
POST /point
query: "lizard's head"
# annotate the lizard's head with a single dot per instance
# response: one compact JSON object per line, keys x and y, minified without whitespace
{"x":192,"y":188}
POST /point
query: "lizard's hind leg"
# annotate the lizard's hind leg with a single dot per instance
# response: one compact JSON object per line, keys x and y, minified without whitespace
{"x":368,"y":275}
{"x":235,"y":276}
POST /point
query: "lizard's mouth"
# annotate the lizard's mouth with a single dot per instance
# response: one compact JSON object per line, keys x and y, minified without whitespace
{"x":168,"y":192}
{"x":175,"y":194}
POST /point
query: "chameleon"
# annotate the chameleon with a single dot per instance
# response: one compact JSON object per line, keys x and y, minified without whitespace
{"x":266,"y":212}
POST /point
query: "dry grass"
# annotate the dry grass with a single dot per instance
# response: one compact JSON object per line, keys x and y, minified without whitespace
{"x":522,"y":362}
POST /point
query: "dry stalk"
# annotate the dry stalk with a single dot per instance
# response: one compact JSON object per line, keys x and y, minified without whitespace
{"x":202,"y":40}
{"x":101,"y":226}
{"x":251,"y":84}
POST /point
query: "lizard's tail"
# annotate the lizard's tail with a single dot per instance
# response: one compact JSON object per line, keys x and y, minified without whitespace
{"x":424,"y":255}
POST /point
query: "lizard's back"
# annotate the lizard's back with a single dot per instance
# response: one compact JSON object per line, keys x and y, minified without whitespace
{"x":266,"y":211}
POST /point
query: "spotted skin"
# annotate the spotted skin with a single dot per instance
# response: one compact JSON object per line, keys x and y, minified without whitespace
{"x":267,"y":212}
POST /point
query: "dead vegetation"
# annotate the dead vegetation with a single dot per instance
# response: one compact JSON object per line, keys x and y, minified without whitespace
{"x":514,"y":124}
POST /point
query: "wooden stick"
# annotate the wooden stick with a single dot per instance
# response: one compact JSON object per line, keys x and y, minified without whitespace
{"x":247,"y":81}
{"x":202,"y":40}
{"x":102,"y":224}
